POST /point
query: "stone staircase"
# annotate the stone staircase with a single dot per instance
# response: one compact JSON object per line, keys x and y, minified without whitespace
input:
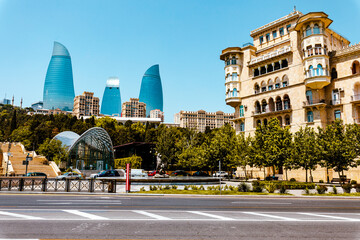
{"x":38,"y":164}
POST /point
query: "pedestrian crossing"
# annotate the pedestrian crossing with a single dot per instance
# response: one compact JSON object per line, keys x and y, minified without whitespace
{"x":170,"y":215}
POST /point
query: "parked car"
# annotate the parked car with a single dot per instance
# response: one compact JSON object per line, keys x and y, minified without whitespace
{"x":220,"y":174}
{"x":69,"y":175}
{"x":152,"y":173}
{"x":138,"y":173}
{"x":179,"y":173}
{"x":110,"y":173}
{"x":36,"y":174}
{"x":201,"y":174}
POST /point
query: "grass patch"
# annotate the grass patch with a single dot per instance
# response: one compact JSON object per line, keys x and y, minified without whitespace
{"x":334,"y":195}
{"x":207,"y":192}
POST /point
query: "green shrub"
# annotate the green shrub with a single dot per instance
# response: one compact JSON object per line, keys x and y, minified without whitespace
{"x":257,"y":187}
{"x":347,"y":187}
{"x":282,"y":189}
{"x":160,"y":187}
{"x":306,"y":191}
{"x":334,"y":190}
{"x":270,"y":187}
{"x":210,"y":188}
{"x":194,"y":187}
{"x":226,"y":187}
{"x":292,"y":180}
{"x":186,"y":187}
{"x":357,"y":187}
{"x":201,"y":187}
{"x":353,"y":182}
{"x":134,"y":160}
{"x":167,"y":187}
{"x":321,"y":189}
{"x":321,"y":181}
{"x":142,"y":189}
{"x":153,"y":188}
{"x":243,"y":187}
{"x":232,"y":188}
{"x":174,"y":187}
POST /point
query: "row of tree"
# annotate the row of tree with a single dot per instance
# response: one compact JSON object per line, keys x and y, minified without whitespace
{"x":335,"y":147}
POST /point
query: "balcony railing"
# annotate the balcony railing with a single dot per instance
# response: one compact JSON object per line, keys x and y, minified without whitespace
{"x":335,"y":101}
{"x":268,"y":111}
{"x":315,"y":51}
{"x":355,"y":98}
{"x":270,"y":55}
{"x":314,"y":102}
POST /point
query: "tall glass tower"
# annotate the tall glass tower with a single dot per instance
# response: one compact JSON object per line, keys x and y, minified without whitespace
{"x":59,"y":84}
{"x":111,"y":101}
{"x":151,"y":90}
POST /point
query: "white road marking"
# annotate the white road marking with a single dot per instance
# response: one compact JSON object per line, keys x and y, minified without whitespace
{"x":86,"y":215}
{"x":152,"y":215}
{"x":271,"y":216}
{"x":211,"y":215}
{"x":20,"y":215}
{"x":333,"y":217}
{"x":105,"y":203}
{"x":78,"y":200}
{"x":269,"y":203}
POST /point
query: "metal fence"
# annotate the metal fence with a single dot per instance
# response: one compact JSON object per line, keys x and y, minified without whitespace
{"x":55,"y":185}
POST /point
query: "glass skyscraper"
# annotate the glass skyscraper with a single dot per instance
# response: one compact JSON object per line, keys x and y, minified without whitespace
{"x":151,"y":90}
{"x":111,"y":101}
{"x":59,"y":85}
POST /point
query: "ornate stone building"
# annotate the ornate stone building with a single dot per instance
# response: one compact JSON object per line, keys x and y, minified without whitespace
{"x":297,"y":70}
{"x":86,"y":105}
{"x":133,"y":108}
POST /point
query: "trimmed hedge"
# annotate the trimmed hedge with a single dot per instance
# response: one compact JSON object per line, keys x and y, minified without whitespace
{"x":289,"y":184}
{"x":134,"y":160}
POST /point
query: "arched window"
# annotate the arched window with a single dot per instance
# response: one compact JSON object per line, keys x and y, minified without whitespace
{"x":265,"y":121}
{"x":333,"y":73}
{"x":316,"y":29}
{"x":270,"y":85}
{"x":257,"y":88}
{"x":263,"y":70}
{"x":241,"y":111}
{"x":287,"y":120}
{"x":234,"y":92}
{"x":285,"y":81}
{"x":233,"y":60}
{"x":280,"y":120}
{"x":276,"y":66}
{"x":256,"y":72}
{"x":258,"y":123}
{"x":286,"y":102}
{"x":278,"y":104}
{"x":264,"y":106}
{"x":270,"y":68}
{"x":319,"y":70}
{"x":310,"y":116}
{"x":234,"y":77}
{"x":308,"y":30}
{"x":277,"y":83}
{"x":263,"y":86}
{"x":311,"y":71}
{"x":271,"y":105}
{"x":257,"y":107}
{"x":355,"y":67}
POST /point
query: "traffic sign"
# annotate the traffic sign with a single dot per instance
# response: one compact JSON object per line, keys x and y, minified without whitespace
{"x":28,"y":158}
{"x":25,"y":162}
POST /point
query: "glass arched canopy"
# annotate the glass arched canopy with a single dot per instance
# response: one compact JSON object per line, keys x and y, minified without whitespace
{"x":93,"y":150}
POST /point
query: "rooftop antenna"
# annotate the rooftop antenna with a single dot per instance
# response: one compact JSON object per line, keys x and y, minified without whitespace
{"x":12,"y":102}
{"x":21,"y":102}
{"x":294,"y":8}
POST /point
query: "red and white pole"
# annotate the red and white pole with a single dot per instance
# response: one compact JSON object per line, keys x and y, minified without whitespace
{"x":128,"y":175}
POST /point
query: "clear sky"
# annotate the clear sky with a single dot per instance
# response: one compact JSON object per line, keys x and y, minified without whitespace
{"x":123,"y":38}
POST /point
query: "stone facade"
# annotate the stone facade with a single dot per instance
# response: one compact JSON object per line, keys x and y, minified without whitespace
{"x":298,"y":70}
{"x":133,"y":108}
{"x":86,"y":105}
{"x":201,"y":119}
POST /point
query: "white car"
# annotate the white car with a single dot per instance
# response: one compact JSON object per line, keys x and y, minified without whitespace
{"x":69,"y":175}
{"x":220,"y":174}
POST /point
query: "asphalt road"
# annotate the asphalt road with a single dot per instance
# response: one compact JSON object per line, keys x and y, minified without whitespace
{"x":164,"y":217}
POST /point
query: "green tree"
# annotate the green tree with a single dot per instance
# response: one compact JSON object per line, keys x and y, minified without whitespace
{"x":166,"y":145}
{"x":242,"y":151}
{"x":191,"y":153}
{"x":305,"y":152}
{"x":53,"y":150}
{"x":337,"y":147}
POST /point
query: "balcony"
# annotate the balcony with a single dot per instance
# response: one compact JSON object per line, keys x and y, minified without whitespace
{"x":273,"y":54}
{"x":315,"y":52}
{"x":233,"y":101}
{"x":316,"y":81}
{"x":314,"y":103}
{"x":267,"y":111}
{"x":355,"y":99}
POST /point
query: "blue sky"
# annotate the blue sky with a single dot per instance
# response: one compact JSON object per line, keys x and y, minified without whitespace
{"x":123,"y":38}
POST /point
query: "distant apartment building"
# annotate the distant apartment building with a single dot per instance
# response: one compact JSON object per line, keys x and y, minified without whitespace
{"x":86,"y":105}
{"x":37,"y":105}
{"x":157,"y":113}
{"x":201,"y":119}
{"x":50,"y":112}
{"x":133,"y":108}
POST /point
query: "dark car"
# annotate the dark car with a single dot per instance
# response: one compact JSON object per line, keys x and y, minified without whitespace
{"x":201,"y":174}
{"x":109,"y":173}
{"x":179,"y":173}
{"x":36,"y":174}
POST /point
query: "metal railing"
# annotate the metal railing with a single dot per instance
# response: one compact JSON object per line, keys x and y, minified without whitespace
{"x":355,"y":97}
{"x":314,"y":102}
{"x":55,"y":185}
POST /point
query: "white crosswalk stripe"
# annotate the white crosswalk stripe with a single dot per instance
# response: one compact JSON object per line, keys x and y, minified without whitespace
{"x":271,"y":216}
{"x":86,"y":215}
{"x":332,"y":217}
{"x":158,"y":217}
{"x":211,"y":215}
{"x":20,"y":215}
